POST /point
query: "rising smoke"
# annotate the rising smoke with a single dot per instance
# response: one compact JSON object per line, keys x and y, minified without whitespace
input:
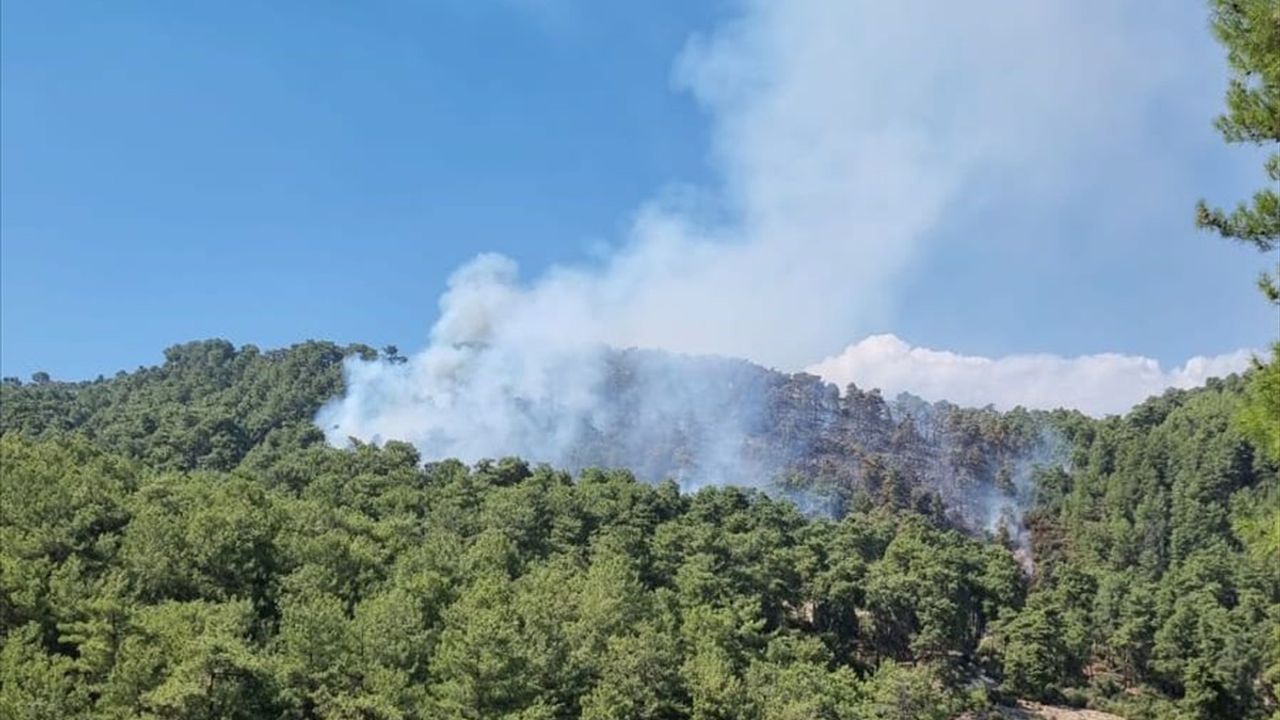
{"x":843,"y":134}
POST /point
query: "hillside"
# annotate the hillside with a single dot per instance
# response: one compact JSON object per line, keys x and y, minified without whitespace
{"x":182,"y":542}
{"x":1038,"y":711}
{"x":730,"y":422}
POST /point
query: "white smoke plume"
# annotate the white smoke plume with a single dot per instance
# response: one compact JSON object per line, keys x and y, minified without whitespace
{"x":844,"y":131}
{"x":1098,"y":385}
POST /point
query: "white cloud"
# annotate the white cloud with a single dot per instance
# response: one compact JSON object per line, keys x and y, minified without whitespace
{"x":1095,"y":384}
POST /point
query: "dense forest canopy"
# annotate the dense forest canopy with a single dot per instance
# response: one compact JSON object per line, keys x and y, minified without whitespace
{"x":181,"y":542}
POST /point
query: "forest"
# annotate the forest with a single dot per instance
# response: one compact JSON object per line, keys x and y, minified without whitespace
{"x":181,"y":542}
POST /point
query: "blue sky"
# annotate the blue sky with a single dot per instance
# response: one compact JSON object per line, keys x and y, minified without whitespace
{"x":275,"y":173}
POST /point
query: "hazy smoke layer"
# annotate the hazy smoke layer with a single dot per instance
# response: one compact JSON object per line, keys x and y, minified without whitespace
{"x":843,"y":131}
{"x":1094,"y":384}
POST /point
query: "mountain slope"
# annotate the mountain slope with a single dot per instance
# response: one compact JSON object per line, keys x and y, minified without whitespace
{"x":181,"y":541}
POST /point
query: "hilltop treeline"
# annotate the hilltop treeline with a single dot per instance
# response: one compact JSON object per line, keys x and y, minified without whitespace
{"x":180,"y":542}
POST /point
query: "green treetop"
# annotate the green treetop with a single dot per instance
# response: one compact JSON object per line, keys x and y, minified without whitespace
{"x":1250,"y":32}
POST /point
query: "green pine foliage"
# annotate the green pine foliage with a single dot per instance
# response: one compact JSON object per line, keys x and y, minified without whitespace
{"x":207,"y":406}
{"x":151,"y":574}
{"x":1249,"y":30}
{"x":1165,"y":602}
{"x":377,"y":587}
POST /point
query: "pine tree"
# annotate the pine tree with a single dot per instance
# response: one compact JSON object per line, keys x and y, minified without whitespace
{"x":1250,"y":32}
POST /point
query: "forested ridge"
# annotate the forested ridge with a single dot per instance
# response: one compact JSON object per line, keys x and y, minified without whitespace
{"x":180,"y":542}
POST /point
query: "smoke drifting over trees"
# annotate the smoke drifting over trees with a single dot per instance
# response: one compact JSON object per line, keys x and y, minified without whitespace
{"x":707,"y":421}
{"x":846,"y":135}
{"x":185,"y":543}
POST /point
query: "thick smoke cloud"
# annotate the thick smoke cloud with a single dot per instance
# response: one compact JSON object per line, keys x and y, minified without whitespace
{"x":844,"y":133}
{"x":1101,"y":384}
